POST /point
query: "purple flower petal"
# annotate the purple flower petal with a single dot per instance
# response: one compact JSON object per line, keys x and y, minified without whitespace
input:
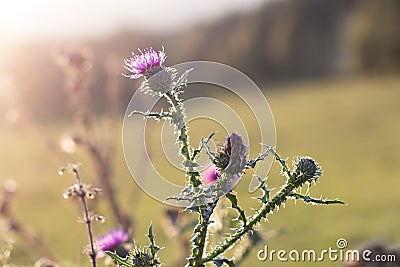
{"x":145,"y":64}
{"x":111,"y":240}
{"x":210,"y":174}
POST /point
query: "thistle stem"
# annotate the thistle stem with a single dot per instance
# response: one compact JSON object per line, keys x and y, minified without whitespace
{"x":200,"y":235}
{"x":183,"y":135}
{"x":184,"y":139}
{"x":276,"y":201}
{"x":92,"y":253}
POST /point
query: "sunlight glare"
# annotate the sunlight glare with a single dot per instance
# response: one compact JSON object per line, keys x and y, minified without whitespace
{"x":14,"y":16}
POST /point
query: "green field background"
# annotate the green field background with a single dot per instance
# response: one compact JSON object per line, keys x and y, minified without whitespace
{"x":351,"y":126}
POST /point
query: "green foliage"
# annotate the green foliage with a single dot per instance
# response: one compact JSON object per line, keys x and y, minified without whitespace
{"x":234,"y":201}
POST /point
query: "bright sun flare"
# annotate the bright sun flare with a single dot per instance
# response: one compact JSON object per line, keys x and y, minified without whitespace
{"x":14,"y":17}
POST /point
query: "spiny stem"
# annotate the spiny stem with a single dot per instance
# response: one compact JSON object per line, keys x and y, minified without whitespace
{"x":183,"y":135}
{"x":278,"y":199}
{"x":269,"y":149}
{"x":148,"y":114}
{"x":285,"y":167}
{"x":184,"y":139}
{"x":252,"y":163}
{"x":309,"y":199}
{"x":92,"y":253}
{"x":200,"y":235}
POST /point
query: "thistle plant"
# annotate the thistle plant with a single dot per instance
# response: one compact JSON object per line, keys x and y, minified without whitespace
{"x":203,"y":191}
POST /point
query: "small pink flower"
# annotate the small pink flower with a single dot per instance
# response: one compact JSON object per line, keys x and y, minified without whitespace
{"x":210,"y":174}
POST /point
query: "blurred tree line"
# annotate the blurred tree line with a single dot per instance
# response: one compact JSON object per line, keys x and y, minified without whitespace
{"x":280,"y":41}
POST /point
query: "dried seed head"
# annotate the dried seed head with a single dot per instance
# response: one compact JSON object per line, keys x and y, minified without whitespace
{"x":89,"y":195}
{"x":77,"y":190}
{"x":67,"y":194}
{"x":100,"y":219}
{"x":72,"y":168}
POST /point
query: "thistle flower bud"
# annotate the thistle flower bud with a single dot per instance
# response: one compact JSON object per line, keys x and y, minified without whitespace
{"x":307,"y":168}
{"x":231,"y":158}
{"x":160,"y":82}
{"x":141,"y":258}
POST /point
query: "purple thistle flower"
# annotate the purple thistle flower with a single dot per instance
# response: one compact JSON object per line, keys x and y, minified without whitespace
{"x":210,"y":174}
{"x":111,"y":240}
{"x":145,"y":64}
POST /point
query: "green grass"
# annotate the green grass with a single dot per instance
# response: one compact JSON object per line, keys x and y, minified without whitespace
{"x":351,"y":126}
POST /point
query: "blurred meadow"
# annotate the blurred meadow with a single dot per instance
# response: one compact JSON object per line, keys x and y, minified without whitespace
{"x":329,"y":70}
